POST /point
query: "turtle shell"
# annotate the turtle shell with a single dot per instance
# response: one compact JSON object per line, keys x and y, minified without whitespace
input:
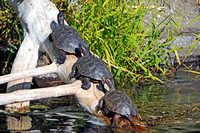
{"x":67,"y":39}
{"x":119,"y":103}
{"x":93,"y":67}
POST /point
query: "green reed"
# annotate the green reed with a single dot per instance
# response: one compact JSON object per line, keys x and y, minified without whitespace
{"x":125,"y":37}
{"x":128,"y":35}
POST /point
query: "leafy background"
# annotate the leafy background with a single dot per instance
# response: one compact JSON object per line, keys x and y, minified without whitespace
{"x":133,"y":37}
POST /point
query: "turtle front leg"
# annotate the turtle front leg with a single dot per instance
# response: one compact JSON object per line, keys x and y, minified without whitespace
{"x":138,"y":117}
{"x":115,"y":120}
{"x":131,"y":120}
{"x":104,"y":89}
{"x":85,"y":83}
{"x":62,"y":57}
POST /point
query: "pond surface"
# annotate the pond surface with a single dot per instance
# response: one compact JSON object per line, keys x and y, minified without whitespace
{"x":172,"y":107}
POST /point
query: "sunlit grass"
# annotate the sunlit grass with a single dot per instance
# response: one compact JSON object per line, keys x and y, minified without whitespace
{"x":127,"y":35}
{"x":121,"y":35}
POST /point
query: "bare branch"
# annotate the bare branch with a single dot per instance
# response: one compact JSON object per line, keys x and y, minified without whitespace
{"x":33,"y":94}
{"x":29,"y":73}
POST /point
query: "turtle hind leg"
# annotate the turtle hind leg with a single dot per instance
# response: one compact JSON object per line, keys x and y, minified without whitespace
{"x":85,"y":83}
{"x":101,"y":88}
{"x":73,"y":72}
{"x":85,"y":50}
{"x":62,"y":57}
{"x":115,"y":120}
{"x":110,"y":83}
{"x":50,"y":37}
{"x":130,"y":118}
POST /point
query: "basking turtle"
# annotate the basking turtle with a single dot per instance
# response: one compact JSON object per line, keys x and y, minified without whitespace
{"x":117,"y":103}
{"x":67,"y":38}
{"x":91,"y":68}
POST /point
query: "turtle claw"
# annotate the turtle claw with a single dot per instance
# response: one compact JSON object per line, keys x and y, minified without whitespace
{"x":85,"y":87}
{"x":138,"y":117}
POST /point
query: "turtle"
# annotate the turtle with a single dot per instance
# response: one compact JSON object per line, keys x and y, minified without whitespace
{"x":90,"y":68}
{"x":118,"y":104}
{"x":67,"y":39}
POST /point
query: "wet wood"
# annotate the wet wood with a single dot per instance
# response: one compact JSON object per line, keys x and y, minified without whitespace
{"x":20,"y":124}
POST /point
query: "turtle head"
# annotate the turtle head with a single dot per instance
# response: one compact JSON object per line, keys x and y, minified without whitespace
{"x":61,"y":18}
{"x":85,"y":50}
{"x":53,"y":25}
{"x":78,"y":52}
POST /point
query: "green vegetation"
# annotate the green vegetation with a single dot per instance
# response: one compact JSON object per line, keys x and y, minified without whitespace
{"x":127,"y":35}
{"x":10,"y":37}
{"x":129,"y":39}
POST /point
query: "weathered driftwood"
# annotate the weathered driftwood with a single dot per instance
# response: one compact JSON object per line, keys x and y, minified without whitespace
{"x":35,"y":17}
{"x":33,"y":94}
{"x":53,"y":68}
{"x":88,"y":99}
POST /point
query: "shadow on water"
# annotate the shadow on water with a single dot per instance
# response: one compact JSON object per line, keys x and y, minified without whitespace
{"x":172,"y":107}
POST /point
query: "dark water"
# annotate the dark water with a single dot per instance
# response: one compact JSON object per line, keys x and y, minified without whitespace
{"x":172,"y":107}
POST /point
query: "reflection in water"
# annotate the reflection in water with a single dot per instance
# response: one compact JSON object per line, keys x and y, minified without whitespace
{"x":19,"y":123}
{"x":174,"y":107}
